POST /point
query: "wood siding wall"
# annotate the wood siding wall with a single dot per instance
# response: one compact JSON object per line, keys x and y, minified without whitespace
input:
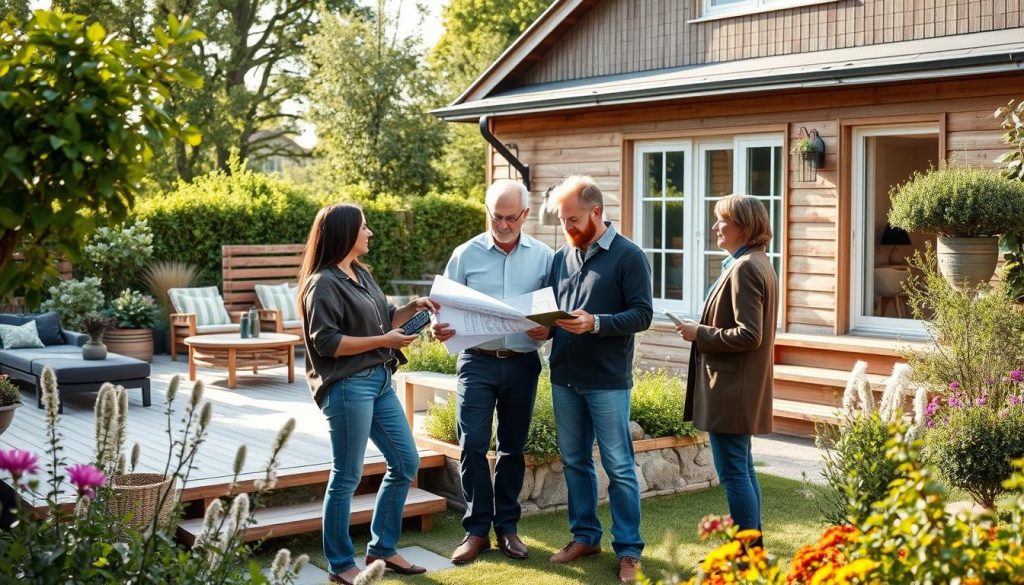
{"x":600,"y":144}
{"x":625,"y":36}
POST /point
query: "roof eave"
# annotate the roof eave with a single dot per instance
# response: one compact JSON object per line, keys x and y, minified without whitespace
{"x":942,"y":68}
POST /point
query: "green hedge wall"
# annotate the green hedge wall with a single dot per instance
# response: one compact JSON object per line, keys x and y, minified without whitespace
{"x":192,"y":222}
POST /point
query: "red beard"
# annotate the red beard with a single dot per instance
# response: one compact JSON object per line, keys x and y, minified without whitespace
{"x":581,"y":237}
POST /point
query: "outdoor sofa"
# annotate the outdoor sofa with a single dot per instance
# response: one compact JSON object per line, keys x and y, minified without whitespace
{"x":62,"y":351}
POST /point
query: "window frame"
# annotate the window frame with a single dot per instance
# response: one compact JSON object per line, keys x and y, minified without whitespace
{"x":710,"y":12}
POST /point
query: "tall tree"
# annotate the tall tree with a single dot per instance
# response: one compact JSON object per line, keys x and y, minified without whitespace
{"x":369,"y":95}
{"x":475,"y":34}
{"x":81,"y":115}
{"x":252,"y":62}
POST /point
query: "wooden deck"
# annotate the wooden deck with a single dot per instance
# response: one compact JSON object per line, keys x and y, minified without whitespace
{"x":251,"y":414}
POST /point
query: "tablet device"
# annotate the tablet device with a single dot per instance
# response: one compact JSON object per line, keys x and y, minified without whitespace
{"x":416,"y":323}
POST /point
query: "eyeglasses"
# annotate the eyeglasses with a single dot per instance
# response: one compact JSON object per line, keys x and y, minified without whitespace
{"x":508,"y":219}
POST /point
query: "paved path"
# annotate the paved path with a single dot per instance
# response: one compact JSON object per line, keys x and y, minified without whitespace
{"x":789,"y":457}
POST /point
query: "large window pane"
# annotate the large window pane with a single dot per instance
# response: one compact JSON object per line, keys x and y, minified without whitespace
{"x":656,"y":259}
{"x":674,"y":228}
{"x":759,"y":171}
{"x":652,"y":174}
{"x":718,"y":173}
{"x":675,"y":174}
{"x":653,"y":236}
{"x":674,"y":276}
{"x":710,"y":239}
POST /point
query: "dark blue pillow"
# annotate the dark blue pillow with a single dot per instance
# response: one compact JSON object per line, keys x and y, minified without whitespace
{"x":47,"y":325}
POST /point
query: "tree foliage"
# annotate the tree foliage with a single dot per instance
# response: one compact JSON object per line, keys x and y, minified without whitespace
{"x":369,"y":94}
{"x":251,"y":61}
{"x":82,"y":114}
{"x":476,"y":33}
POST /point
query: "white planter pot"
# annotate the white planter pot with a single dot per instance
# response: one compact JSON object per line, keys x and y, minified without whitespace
{"x":967,"y":262}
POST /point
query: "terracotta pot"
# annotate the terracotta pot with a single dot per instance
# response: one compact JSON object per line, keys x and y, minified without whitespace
{"x":136,"y":343}
{"x":967,"y":262}
{"x":7,"y":415}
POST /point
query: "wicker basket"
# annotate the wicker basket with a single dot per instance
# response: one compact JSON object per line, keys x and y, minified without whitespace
{"x":139,"y":494}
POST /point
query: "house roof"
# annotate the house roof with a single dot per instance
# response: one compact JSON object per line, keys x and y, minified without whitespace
{"x":959,"y":55}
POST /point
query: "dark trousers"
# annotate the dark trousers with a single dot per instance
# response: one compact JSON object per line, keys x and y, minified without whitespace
{"x":487,"y":385}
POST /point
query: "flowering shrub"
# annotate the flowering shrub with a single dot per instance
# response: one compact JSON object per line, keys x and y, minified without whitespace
{"x":9,"y":393}
{"x":73,"y":299}
{"x":76,"y":545}
{"x":971,"y":444}
{"x":113,"y":254}
{"x":134,"y":310}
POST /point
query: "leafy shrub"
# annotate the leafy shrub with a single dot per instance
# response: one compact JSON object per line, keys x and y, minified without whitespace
{"x":440,"y":422}
{"x":115,"y":254}
{"x":191,"y":223}
{"x":72,"y":299}
{"x":541,"y":440}
{"x":657,"y":405}
{"x":429,"y":355}
{"x":9,"y":393}
{"x":134,"y":310}
{"x":95,"y":325}
{"x":439,"y":224}
{"x":160,"y":277}
{"x":390,"y":244}
{"x":975,"y":336}
{"x":971,"y":445}
{"x":958,"y":202}
{"x":1012,"y":120}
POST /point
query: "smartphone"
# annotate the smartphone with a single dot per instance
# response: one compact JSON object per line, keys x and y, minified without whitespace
{"x":416,"y":323}
{"x":674,"y":318}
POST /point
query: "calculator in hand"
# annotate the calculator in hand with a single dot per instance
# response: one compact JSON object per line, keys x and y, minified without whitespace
{"x":416,"y":323}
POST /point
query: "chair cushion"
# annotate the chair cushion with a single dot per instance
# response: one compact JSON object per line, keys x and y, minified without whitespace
{"x":229,"y":328}
{"x":21,"y":359}
{"x":47,"y":325}
{"x":280,"y":297}
{"x":205,"y":303}
{"x":20,"y":336}
{"x":296,"y":324}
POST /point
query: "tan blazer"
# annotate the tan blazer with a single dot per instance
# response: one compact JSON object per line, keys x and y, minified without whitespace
{"x":729,"y":383}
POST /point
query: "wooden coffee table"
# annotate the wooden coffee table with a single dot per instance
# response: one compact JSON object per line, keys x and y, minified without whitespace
{"x":229,"y":350}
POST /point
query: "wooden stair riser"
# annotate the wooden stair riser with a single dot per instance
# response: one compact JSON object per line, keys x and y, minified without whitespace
{"x":835,"y":360}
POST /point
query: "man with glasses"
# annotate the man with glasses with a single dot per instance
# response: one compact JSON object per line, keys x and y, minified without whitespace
{"x":497,"y":376}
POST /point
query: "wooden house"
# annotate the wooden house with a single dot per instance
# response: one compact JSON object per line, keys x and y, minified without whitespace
{"x":671,"y":104}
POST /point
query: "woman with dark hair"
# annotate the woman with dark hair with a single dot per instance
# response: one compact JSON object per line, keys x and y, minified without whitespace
{"x":353,"y":345}
{"x":729,"y":383}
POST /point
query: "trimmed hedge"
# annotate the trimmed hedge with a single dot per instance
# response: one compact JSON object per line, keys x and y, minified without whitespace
{"x":192,"y":222}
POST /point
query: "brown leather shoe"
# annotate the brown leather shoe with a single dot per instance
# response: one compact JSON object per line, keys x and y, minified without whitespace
{"x":512,"y":546}
{"x":627,"y":569}
{"x":410,"y":569}
{"x":470,"y":548}
{"x":573,"y":552}
{"x":337,"y":578}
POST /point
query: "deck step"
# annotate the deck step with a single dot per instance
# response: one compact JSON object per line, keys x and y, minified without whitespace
{"x":824,"y":377}
{"x":800,"y":419}
{"x":216,"y":487}
{"x":306,"y":517}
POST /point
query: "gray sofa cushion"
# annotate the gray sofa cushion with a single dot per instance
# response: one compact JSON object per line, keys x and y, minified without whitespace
{"x":47,"y":325}
{"x":67,"y":363}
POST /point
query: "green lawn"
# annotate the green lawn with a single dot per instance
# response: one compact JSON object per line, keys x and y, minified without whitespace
{"x":790,"y":522}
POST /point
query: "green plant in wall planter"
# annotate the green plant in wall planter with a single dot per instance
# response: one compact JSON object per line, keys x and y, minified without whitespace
{"x":967,"y":209}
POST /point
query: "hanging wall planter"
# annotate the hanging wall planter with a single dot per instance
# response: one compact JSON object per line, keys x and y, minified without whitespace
{"x":811,"y":150}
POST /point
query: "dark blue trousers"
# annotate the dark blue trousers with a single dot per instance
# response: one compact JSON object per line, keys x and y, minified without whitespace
{"x":508,"y":387}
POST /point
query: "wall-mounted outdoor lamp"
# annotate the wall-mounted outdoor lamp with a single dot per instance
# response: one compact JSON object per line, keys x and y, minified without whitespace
{"x":811,"y":150}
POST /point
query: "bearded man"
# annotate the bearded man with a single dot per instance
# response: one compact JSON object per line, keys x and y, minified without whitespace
{"x":603,"y":279}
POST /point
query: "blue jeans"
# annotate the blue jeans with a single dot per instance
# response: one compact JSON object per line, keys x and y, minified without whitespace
{"x":508,"y":386}
{"x":360,"y":407}
{"x":734,"y":463}
{"x":580,"y":416}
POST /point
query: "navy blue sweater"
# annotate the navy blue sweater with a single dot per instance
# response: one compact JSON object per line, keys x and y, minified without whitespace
{"x":615,"y":284}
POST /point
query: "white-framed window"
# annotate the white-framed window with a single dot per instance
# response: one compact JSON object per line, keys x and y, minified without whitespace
{"x":676,"y":186}
{"x":711,"y":9}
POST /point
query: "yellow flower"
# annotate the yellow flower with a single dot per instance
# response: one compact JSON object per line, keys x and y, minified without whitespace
{"x":747,"y":536}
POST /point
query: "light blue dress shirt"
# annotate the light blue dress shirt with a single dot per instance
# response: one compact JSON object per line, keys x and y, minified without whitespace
{"x":482,"y":266}
{"x":725,"y":266}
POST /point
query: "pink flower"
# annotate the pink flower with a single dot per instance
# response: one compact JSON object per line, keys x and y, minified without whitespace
{"x":933,"y":406}
{"x":1015,"y":400}
{"x":18,"y":462}
{"x":711,"y":525}
{"x":981,"y":400}
{"x":954,"y":386}
{"x":1017,"y":375}
{"x":953,"y":401}
{"x":86,"y":478}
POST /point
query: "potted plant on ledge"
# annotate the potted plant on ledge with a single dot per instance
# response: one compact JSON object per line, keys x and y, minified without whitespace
{"x":10,"y":399}
{"x":95,"y":325}
{"x":966,"y":208}
{"x":134,"y":314}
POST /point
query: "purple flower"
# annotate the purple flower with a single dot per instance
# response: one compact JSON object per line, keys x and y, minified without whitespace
{"x":981,"y":400}
{"x":932,"y":407}
{"x":954,"y":402}
{"x":18,"y":462}
{"x":954,"y":386}
{"x":929,"y":423}
{"x":86,"y":478}
{"x":1015,"y":400}
{"x":1017,"y":376}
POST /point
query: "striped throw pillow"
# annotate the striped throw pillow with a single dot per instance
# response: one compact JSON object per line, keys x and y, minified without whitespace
{"x":280,"y":297}
{"x":206,"y":303}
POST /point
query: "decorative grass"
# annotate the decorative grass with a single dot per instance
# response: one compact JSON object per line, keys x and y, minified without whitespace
{"x":789,"y":524}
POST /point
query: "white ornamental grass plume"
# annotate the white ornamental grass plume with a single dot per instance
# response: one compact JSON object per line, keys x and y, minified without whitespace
{"x":172,"y":388}
{"x":920,"y":415}
{"x":211,"y":523}
{"x":107,"y":421}
{"x":865,"y":395}
{"x":895,"y":389}
{"x":269,"y":480}
{"x":51,"y":396}
{"x":300,"y":563}
{"x":371,"y":574}
{"x":279,"y":567}
{"x":237,"y":517}
{"x":136,"y":452}
{"x":853,"y":383}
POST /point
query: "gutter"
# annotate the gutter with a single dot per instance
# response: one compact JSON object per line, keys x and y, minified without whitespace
{"x":524,"y":169}
{"x":958,"y":66}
